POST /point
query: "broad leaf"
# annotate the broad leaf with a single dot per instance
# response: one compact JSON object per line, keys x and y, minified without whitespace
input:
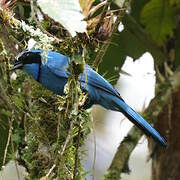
{"x":175,"y":3}
{"x":86,"y":5}
{"x":159,"y":18}
{"x":67,"y":13}
{"x":136,"y":8}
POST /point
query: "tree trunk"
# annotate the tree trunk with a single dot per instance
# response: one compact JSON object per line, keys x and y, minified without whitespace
{"x":166,"y":162}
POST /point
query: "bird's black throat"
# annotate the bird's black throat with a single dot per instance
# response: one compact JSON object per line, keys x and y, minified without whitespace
{"x":27,"y":57}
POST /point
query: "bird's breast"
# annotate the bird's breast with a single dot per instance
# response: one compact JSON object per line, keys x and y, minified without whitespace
{"x":52,"y":82}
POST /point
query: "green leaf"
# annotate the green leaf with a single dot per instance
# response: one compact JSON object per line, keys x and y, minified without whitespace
{"x":174,"y":3}
{"x":136,"y":8}
{"x":21,"y":9}
{"x":159,"y":18}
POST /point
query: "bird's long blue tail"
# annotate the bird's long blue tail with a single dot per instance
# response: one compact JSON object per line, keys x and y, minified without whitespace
{"x":139,"y":121}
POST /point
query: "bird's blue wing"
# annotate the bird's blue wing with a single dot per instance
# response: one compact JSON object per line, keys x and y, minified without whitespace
{"x":97,"y":81}
{"x":58,"y":64}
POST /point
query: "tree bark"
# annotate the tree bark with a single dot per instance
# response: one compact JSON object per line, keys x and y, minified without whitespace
{"x":166,"y":162}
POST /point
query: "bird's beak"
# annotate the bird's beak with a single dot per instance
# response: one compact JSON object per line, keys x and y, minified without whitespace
{"x":17,"y":65}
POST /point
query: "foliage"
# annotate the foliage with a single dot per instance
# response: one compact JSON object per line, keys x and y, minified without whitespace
{"x":159,"y":18}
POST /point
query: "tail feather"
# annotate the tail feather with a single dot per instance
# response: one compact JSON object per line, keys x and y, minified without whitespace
{"x":139,"y":121}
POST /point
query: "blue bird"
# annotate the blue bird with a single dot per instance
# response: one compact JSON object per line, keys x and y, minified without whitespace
{"x":54,"y":75}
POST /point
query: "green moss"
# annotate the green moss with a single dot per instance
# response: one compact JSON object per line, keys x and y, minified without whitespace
{"x":49,"y":119}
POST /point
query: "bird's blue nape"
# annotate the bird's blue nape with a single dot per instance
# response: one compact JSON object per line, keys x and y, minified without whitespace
{"x":54,"y":75}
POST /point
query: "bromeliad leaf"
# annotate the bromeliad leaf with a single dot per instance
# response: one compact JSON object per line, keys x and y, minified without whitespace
{"x":86,"y":5}
{"x":67,"y":13}
{"x":159,"y":18}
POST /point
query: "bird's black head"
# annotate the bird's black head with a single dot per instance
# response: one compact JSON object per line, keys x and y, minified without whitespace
{"x":27,"y":57}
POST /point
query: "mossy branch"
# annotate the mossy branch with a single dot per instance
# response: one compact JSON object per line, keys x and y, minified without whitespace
{"x":156,"y":106}
{"x":48,"y":147}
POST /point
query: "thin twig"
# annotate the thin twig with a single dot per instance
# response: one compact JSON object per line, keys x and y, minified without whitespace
{"x":8,"y":140}
{"x":84,"y":64}
{"x":9,"y":88}
{"x":94,"y":9}
{"x":94,"y":158}
{"x":160,"y":77}
{"x":58,"y":127}
{"x":62,"y":151}
{"x":77,"y":150}
{"x":50,"y":171}
{"x":25,"y":124}
{"x":168,"y":69}
{"x":67,"y":138}
{"x":15,"y":162}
